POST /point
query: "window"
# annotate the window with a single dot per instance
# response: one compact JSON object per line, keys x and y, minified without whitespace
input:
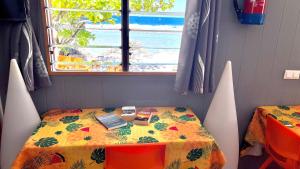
{"x":113,"y":35}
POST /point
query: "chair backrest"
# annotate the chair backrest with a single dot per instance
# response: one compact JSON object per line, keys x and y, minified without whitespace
{"x":281,"y":142}
{"x":146,"y":156}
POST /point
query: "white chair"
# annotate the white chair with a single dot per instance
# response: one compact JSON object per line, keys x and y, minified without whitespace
{"x":221,"y":119}
{"x":20,"y":117}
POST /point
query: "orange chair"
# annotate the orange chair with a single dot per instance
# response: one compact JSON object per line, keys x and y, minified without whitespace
{"x":282,"y":145}
{"x":142,"y":156}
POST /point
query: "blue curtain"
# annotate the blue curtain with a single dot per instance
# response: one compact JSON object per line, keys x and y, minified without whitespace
{"x":198,"y":47}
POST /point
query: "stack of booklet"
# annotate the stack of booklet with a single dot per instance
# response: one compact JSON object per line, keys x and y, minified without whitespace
{"x":141,"y":116}
{"x":128,"y":113}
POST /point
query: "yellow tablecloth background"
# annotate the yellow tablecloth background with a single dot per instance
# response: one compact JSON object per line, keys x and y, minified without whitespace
{"x":73,"y":139}
{"x":287,"y":115}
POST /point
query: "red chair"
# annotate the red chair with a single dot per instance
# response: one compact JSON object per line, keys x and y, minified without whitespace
{"x":282,"y":145}
{"x":141,"y":156}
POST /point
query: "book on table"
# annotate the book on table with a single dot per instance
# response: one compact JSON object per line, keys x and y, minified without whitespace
{"x":142,"y":118}
{"x":111,"y":121}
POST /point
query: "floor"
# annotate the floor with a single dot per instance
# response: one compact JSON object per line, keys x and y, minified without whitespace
{"x":251,"y":162}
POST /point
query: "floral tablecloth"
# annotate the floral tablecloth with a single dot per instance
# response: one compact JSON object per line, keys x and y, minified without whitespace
{"x":74,"y":139}
{"x":255,"y":136}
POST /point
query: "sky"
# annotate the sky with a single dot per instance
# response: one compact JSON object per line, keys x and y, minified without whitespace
{"x":179,"y":6}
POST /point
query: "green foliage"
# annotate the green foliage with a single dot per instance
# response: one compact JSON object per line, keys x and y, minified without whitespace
{"x":160,"y":126}
{"x":98,"y":155}
{"x":46,"y":142}
{"x":154,"y":119}
{"x":70,"y":25}
{"x":147,"y":139}
{"x":73,"y":127}
{"x":69,"y":119}
{"x":194,"y":154}
{"x":151,"y":5}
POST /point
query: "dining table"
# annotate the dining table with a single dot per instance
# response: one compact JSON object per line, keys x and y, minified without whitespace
{"x":288,"y":116}
{"x":74,"y":139}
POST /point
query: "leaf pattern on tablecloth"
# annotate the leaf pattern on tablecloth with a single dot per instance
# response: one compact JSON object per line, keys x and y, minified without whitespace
{"x":61,"y":131}
{"x":147,"y":139}
{"x":80,"y":164}
{"x":174,"y":165}
{"x":89,"y":115}
{"x":160,"y":126}
{"x":73,"y":127}
{"x":46,"y":142}
{"x":287,"y":123}
{"x":53,"y":123}
{"x":296,"y":115}
{"x":151,"y":132}
{"x":69,"y":119}
{"x":87,"y":138}
{"x":194,"y":154}
{"x":41,"y":125}
{"x":180,"y":109}
{"x":272,"y":115}
{"x":183,"y":137}
{"x":187,"y":118}
{"x":154,"y":119}
{"x":98,"y":155}
{"x":109,"y":109}
{"x":283,"y":107}
{"x":37,"y":161}
{"x":170,"y":115}
{"x":58,"y":132}
{"x":125,"y":130}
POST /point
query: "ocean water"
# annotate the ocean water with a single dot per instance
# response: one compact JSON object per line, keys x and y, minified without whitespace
{"x":147,"y":48}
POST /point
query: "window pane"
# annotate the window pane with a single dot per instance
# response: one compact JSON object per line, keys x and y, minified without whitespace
{"x":154,"y":6}
{"x":155,"y":35}
{"x":101,"y":38}
{"x":84,"y":35}
{"x":86,"y":59}
{"x":155,"y":39}
{"x":153,"y":60}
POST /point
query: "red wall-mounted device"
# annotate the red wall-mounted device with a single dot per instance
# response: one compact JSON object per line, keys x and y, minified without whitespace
{"x":253,"y":12}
